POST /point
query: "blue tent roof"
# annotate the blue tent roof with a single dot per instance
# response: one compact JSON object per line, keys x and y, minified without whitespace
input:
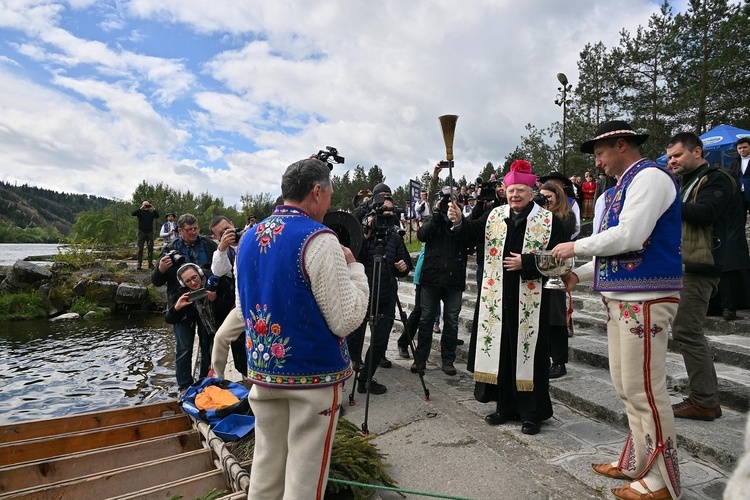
{"x":718,"y":145}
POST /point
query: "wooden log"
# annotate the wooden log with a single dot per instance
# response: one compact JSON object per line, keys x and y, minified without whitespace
{"x":85,"y":421}
{"x":53,"y":446}
{"x":44,"y":472}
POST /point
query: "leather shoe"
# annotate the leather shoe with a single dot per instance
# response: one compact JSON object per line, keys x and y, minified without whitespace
{"x":385,"y":363}
{"x":729,"y":315}
{"x":628,"y":493}
{"x":460,"y":342}
{"x":498,"y":418}
{"x":557,"y":371}
{"x":448,"y":368}
{"x":530,"y":427}
{"x":418,"y":366}
{"x":608,"y":471}
{"x":690,"y":409}
{"x":403,"y":352}
{"x":374,"y":386}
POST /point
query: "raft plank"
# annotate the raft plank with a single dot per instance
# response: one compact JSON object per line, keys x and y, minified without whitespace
{"x":43,"y":472}
{"x":53,"y":446}
{"x":122,"y":481}
{"x":85,"y":421}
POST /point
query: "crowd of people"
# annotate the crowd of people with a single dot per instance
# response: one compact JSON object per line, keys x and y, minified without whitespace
{"x":295,"y":306}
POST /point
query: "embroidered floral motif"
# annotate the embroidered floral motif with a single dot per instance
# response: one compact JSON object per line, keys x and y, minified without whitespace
{"x":673,"y":465}
{"x":267,"y":231}
{"x":328,"y":411}
{"x":655,"y":329}
{"x":265,"y":345}
{"x":627,"y":457}
{"x":530,"y":301}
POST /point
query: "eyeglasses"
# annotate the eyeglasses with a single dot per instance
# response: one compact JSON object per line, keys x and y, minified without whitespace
{"x":190,"y":229}
{"x":192,"y":279}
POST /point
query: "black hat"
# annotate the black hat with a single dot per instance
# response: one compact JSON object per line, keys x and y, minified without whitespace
{"x":171,"y":213}
{"x":558,"y":176}
{"x":612,"y":130}
{"x":381,"y":188}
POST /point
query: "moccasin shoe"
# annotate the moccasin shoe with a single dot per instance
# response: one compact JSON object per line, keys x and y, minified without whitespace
{"x":609,"y":471}
{"x":628,"y":493}
{"x":690,"y":409}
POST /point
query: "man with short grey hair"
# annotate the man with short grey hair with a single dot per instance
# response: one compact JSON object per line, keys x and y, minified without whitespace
{"x":301,"y":293}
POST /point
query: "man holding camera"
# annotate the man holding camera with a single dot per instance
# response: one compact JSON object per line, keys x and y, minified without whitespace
{"x":146,"y":216}
{"x":196,"y":249}
{"x":380,"y":239}
{"x":232,"y":329}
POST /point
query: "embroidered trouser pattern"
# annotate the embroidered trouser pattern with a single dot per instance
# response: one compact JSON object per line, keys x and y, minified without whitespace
{"x":294,"y":430}
{"x":637,"y":334}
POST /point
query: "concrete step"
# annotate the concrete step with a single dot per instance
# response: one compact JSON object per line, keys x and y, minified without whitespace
{"x":588,"y":388}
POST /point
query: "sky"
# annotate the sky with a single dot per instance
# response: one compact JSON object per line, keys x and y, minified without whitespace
{"x":221,"y":96}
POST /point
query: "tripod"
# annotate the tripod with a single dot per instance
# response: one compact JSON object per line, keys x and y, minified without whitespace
{"x":373,"y":319}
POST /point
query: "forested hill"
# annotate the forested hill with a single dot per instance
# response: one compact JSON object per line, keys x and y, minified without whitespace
{"x":44,"y":213}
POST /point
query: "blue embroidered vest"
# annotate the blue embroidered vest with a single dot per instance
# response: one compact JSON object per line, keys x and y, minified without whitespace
{"x":658,"y":266}
{"x":288,"y":342}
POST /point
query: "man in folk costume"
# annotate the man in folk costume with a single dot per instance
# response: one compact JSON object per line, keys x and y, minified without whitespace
{"x":512,"y":354}
{"x":301,"y":293}
{"x":637,"y":267}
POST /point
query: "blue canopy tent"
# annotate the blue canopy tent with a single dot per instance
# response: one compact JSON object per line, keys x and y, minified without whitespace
{"x":718,"y":145}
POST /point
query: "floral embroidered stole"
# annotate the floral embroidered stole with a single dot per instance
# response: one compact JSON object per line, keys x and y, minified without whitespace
{"x":536,"y":237}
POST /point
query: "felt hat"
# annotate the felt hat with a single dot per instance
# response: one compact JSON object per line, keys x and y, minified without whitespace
{"x":520,"y":173}
{"x":558,"y":176}
{"x":612,"y":130}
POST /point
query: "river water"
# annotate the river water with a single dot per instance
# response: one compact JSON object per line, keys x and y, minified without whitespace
{"x":52,"y":369}
{"x":11,"y":252}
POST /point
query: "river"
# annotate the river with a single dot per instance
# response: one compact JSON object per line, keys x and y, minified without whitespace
{"x":52,"y":369}
{"x":11,"y":252}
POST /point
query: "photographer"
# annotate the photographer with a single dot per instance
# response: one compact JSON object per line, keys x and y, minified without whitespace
{"x":195,"y":306}
{"x":146,"y":214}
{"x":379,"y":229}
{"x":232,"y":329}
{"x":190,"y":248}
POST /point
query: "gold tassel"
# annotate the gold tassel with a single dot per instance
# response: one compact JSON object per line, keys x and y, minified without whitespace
{"x":485,"y":378}
{"x":525,"y":385}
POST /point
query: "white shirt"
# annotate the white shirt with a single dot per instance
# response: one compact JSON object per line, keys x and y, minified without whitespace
{"x":650,"y":194}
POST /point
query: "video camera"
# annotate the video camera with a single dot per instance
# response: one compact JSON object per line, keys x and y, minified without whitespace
{"x":330,"y":156}
{"x":486,"y":189}
{"x":381,"y":223}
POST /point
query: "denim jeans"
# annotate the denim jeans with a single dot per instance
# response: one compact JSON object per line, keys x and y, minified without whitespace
{"x":431,"y":298}
{"x":184,"y":336}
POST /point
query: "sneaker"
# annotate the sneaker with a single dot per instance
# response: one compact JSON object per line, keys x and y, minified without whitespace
{"x":690,"y":409}
{"x":436,"y":328}
{"x":729,"y":315}
{"x":385,"y":363}
{"x":418,"y":366}
{"x":448,"y":368}
{"x":403,"y":352}
{"x":557,"y":371}
{"x":375,"y":387}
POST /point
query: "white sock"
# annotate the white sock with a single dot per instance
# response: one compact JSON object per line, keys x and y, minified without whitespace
{"x":652,"y":479}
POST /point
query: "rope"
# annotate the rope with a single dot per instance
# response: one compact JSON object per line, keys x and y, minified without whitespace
{"x":397,"y":490}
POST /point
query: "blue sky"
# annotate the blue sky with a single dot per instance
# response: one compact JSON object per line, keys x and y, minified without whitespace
{"x":97,"y":96}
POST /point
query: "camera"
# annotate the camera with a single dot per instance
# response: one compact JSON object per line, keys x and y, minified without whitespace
{"x":176,"y":257}
{"x":381,"y":223}
{"x":330,"y":156}
{"x":486,"y":189}
{"x":198,"y":294}
{"x":237,"y":233}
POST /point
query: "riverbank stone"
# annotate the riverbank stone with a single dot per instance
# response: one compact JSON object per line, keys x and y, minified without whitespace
{"x":131,"y":294}
{"x":24,"y":274}
{"x":66,"y":317}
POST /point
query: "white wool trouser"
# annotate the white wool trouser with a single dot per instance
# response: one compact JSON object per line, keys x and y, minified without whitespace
{"x":294,"y":431}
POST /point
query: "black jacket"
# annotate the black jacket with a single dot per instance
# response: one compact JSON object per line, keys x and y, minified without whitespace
{"x":146,"y":219}
{"x":445,"y":254}
{"x":394,"y":250}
